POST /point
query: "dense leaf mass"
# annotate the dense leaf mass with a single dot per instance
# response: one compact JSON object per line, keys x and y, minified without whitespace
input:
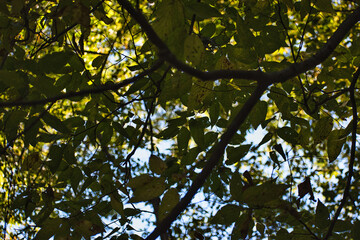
{"x":179,"y":119}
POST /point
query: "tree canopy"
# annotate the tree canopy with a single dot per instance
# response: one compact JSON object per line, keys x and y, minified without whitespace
{"x":179,"y":119}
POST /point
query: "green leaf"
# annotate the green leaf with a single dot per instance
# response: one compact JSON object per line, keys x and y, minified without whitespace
{"x":235,"y":154}
{"x":54,"y":62}
{"x":157,"y":165}
{"x":55,"y":123}
{"x":227,"y":215}
{"x":281,"y":101}
{"x":260,"y":228}
{"x":10,"y":78}
{"x":100,"y":14}
{"x":324,"y":6}
{"x":236,"y":186}
{"x":76,"y":177}
{"x":169,"y":132}
{"x":335,"y":143}
{"x":168,"y":202}
{"x":274,"y":158}
{"x":149,"y":191}
{"x":242,"y":227}
{"x":117,"y":204}
{"x":199,"y":91}
{"x":48,"y":229}
{"x":322,"y":216}
{"x":203,"y":10}
{"x":214,"y":112}
{"x":280,"y":150}
{"x":55,"y":154}
{"x":264,"y":194}
{"x":322,"y":129}
{"x":76,"y":63}
{"x":208,"y":30}
{"x":288,"y":134}
{"x":355,"y":230}
{"x":258,"y":114}
{"x":194,"y":49}
{"x":183,"y":139}
{"x":197,"y":132}
{"x":98,"y":61}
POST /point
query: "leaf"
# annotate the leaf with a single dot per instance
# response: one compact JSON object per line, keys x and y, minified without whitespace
{"x":168,"y":202}
{"x":274,"y":158}
{"x":199,"y":91}
{"x":76,"y":177}
{"x":183,"y":139}
{"x":236,"y":186}
{"x":54,"y":62}
{"x":203,"y":10}
{"x":280,"y":150}
{"x":117,"y":204}
{"x":48,"y":229}
{"x":288,"y":134}
{"x":235,"y":154}
{"x":281,"y":100}
{"x":227,"y":215}
{"x":139,"y":181}
{"x":260,"y":228}
{"x":322,"y":129}
{"x":258,"y":114}
{"x":242,"y":227}
{"x":100,"y":14}
{"x":76,"y":63}
{"x":98,"y":61}
{"x":194,"y":49}
{"x":170,"y":25}
{"x":214,"y":112}
{"x":324,"y":6}
{"x":263,"y":194}
{"x":355,"y":230}
{"x":322,"y":216}
{"x":197,"y":132}
{"x":55,"y":154}
{"x":55,"y":123}
{"x":149,"y":191}
{"x":305,"y":188}
{"x":208,"y":30}
{"x":335,"y":143}
{"x":157,"y":165}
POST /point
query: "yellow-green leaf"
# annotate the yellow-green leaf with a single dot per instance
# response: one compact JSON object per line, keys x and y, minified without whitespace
{"x":335,"y":143}
{"x":157,"y":165}
{"x":194,"y":49}
{"x":322,"y":129}
{"x":149,"y":191}
{"x":116,"y":204}
{"x":169,"y":200}
{"x":199,"y":91}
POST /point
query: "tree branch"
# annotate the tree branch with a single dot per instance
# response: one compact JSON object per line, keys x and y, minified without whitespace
{"x":264,"y":80}
{"x":212,"y":162}
{"x":352,"y":154}
{"x":98,"y":89}
{"x":278,"y":76}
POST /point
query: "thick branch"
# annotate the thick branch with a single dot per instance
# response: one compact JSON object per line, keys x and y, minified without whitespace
{"x":264,"y":80}
{"x":98,"y":89}
{"x":212,"y":162}
{"x":279,"y":76}
{"x":322,"y":54}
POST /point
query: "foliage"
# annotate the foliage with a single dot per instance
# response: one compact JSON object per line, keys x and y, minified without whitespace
{"x":87,"y":85}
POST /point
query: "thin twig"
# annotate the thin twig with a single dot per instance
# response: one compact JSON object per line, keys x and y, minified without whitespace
{"x":352,"y":155}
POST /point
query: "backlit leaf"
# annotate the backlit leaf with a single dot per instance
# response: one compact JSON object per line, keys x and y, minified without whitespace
{"x":157,"y":165}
